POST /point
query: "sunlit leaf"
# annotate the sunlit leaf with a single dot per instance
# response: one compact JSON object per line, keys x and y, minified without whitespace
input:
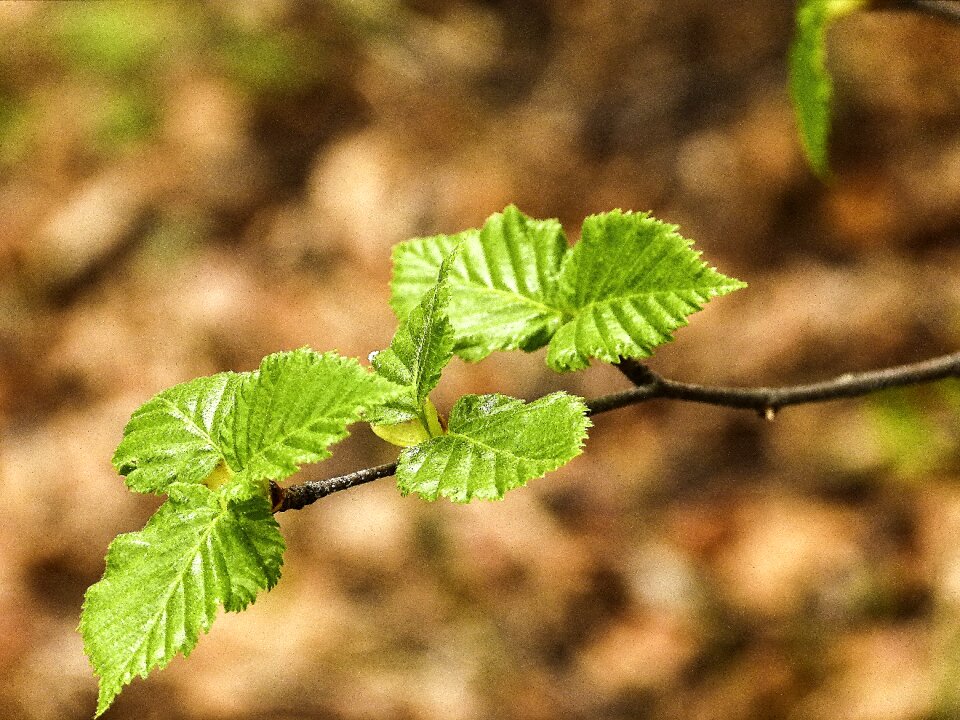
{"x":163,"y":585}
{"x":293,"y":408}
{"x":811,"y":87}
{"x":621,"y":291}
{"x":175,"y":437}
{"x":502,"y":281}
{"x":629,"y":283}
{"x":494,"y":444}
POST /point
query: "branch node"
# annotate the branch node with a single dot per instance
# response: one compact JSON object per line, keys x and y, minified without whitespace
{"x":277,"y":495}
{"x":637,"y":373}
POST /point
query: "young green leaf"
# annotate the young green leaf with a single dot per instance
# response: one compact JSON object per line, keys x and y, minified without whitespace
{"x":408,"y":433}
{"x":502,"y":281}
{"x":811,"y":88}
{"x":163,"y":585}
{"x":620,"y":292}
{"x":175,"y":436}
{"x":293,"y":408}
{"x":494,"y":444}
{"x":629,"y":282}
{"x":258,"y":426}
{"x":421,"y":348}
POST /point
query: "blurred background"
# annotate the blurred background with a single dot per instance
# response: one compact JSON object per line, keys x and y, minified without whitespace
{"x":186,"y":187}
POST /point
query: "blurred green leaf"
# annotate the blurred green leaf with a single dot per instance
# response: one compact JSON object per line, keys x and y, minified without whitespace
{"x":126,"y":118}
{"x":269,"y":60}
{"x":810,"y":85}
{"x":114,"y":37}
{"x":15,"y":129}
{"x":918,"y":429}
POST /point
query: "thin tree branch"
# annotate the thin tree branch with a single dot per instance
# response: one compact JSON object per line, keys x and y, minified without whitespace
{"x":299,"y":496}
{"x":766,"y":401}
{"x":942,"y":9}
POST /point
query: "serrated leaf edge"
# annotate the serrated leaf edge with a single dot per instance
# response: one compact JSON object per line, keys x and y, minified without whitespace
{"x":108,"y":693}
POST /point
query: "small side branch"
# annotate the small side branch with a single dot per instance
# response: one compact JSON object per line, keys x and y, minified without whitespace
{"x":766,"y":401}
{"x":942,"y":9}
{"x":299,"y":496}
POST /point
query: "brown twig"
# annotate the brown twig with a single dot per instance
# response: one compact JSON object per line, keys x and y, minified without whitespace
{"x":943,"y":9}
{"x":766,"y":401}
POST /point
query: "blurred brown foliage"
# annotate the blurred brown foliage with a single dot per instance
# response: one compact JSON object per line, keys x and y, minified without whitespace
{"x":186,"y":187}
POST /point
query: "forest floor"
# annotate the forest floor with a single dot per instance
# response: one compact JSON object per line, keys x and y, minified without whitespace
{"x":186,"y":187}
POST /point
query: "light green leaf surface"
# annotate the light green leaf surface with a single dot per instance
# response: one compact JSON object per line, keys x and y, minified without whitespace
{"x":175,"y":436}
{"x":494,"y":444}
{"x":629,"y":282}
{"x":811,"y":87}
{"x":421,"y":348}
{"x":502,"y":281}
{"x":621,"y":291}
{"x":414,"y":431}
{"x":293,"y":408}
{"x":164,"y":584}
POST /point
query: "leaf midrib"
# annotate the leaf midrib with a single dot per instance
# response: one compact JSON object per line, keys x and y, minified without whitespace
{"x":714,"y":289}
{"x":432,"y":318}
{"x":189,"y":423}
{"x":306,"y":428}
{"x":495,"y":450}
{"x":570,"y":314}
{"x":526,"y":299}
